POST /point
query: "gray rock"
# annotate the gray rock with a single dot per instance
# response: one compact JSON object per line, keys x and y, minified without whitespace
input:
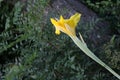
{"x":100,"y":32}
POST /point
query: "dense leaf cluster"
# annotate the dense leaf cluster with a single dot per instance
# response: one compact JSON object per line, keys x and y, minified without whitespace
{"x":29,"y":49}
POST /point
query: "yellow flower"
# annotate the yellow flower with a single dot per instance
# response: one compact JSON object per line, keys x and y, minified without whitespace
{"x":66,"y":25}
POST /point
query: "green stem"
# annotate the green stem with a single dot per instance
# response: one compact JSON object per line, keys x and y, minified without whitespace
{"x":87,"y":51}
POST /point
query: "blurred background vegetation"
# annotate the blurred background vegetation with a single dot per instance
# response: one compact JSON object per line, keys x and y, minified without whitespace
{"x":30,"y":50}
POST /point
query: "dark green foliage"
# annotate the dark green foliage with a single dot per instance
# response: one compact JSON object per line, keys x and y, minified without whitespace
{"x":12,"y":37}
{"x":108,"y":10}
{"x":112,"y":52}
{"x":30,"y":50}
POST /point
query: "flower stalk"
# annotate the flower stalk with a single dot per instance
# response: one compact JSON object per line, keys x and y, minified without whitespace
{"x":87,"y":51}
{"x":68,"y":26}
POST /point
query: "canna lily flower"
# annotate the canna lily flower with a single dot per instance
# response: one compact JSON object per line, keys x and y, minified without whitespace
{"x":66,"y":25}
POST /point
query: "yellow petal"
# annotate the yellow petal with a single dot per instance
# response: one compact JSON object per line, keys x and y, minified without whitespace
{"x":70,"y":23}
{"x":57,"y":31}
{"x":61,"y":19}
{"x":54,"y":22}
{"x":76,"y":18}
